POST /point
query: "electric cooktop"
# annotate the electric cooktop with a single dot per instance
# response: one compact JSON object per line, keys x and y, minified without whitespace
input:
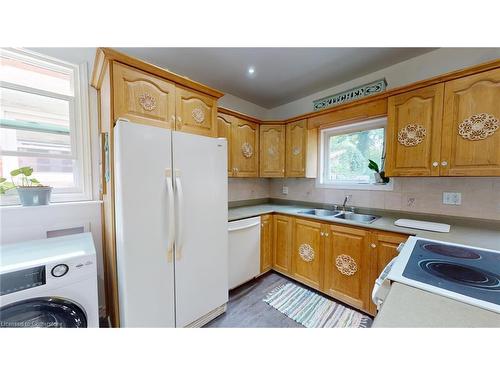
{"x":467,"y":274}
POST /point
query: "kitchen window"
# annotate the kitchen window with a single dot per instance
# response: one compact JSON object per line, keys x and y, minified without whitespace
{"x":44,"y":123}
{"x":344,"y":154}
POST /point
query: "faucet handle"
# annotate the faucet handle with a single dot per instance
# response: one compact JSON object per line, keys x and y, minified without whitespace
{"x":352,"y":209}
{"x":335,"y":207}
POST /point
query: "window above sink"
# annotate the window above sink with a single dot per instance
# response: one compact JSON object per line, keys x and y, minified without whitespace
{"x":344,"y":154}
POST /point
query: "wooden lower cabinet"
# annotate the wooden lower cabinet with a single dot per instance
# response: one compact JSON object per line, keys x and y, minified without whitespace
{"x":383,"y":249}
{"x":282,"y":234}
{"x":266,"y":243}
{"x":307,"y":252}
{"x":347,"y":265}
{"x":342,"y":261}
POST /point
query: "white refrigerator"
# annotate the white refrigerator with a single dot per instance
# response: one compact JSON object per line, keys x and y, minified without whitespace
{"x":171,"y":226}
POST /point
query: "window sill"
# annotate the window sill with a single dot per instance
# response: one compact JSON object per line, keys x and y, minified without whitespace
{"x":48,"y":206}
{"x":377,"y":187}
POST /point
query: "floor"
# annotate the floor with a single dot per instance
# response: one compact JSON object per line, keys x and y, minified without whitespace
{"x":247,"y":310}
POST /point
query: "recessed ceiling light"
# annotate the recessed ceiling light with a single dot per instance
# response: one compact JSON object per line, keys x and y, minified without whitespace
{"x":251,"y":70}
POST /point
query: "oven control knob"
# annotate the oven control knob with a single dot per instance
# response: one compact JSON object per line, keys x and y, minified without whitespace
{"x":59,"y":270}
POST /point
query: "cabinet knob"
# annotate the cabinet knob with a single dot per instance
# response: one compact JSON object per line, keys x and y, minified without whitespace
{"x":179,"y":120}
{"x":326,"y":234}
{"x":321,"y":234}
{"x":173,"y":118}
{"x":373,"y":246}
{"x":444,"y":163}
{"x":435,"y":164}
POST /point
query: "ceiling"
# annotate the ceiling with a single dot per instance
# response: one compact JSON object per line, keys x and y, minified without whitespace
{"x":281,"y":74}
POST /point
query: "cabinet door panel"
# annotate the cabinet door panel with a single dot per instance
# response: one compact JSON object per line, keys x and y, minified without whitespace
{"x":282,"y":243}
{"x":473,"y":101}
{"x":224,"y":125}
{"x":272,"y":151}
{"x":296,"y":143}
{"x":307,"y":252}
{"x":347,"y":266}
{"x":195,"y":113}
{"x":266,"y":243}
{"x":414,"y":132}
{"x":385,"y":250}
{"x":142,"y":98}
{"x":245,"y":149}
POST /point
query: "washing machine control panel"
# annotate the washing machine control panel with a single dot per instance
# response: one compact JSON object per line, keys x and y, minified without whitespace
{"x":24,"y":279}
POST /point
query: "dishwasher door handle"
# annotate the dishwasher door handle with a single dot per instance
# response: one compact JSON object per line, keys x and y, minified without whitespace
{"x":244,"y":227}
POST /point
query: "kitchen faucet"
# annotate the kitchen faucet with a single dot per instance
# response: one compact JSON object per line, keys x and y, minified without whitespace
{"x":345,"y":202}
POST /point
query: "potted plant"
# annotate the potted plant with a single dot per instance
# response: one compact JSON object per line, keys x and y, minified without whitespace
{"x":31,"y":191}
{"x":379,"y":175}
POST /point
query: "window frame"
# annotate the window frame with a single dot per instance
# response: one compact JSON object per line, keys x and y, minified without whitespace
{"x":324,"y":137}
{"x":79,"y":128}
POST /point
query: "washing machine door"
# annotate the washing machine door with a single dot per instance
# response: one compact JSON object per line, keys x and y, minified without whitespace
{"x":46,"y":312}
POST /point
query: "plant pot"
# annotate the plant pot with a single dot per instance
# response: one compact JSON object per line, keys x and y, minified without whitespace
{"x":378,"y":178}
{"x":34,"y":195}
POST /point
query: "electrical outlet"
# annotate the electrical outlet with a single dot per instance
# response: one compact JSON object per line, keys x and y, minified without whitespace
{"x":452,"y":198}
{"x":285,"y":190}
{"x":411,"y":202}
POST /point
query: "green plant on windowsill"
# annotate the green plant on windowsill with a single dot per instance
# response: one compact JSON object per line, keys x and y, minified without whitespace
{"x":31,"y":191}
{"x":380,"y":177}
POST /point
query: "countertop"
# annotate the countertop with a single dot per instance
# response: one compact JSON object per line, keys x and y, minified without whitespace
{"x":479,"y":233}
{"x":406,"y":306}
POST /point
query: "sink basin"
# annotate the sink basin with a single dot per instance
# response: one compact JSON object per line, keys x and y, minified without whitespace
{"x":361,"y":218}
{"x":320,"y":212}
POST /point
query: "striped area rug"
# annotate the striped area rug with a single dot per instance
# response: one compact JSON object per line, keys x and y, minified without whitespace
{"x":313,"y":310}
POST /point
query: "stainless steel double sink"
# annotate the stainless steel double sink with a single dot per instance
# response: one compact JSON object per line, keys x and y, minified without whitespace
{"x":345,"y":215}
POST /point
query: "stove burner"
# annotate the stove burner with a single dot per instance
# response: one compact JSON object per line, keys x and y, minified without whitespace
{"x":451,"y":251}
{"x":461,"y":274}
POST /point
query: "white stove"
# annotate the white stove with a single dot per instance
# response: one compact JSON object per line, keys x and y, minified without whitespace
{"x":464,"y":273}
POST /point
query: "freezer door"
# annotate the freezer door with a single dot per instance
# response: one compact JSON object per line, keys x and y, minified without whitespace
{"x":201,"y":279}
{"x":144,"y":229}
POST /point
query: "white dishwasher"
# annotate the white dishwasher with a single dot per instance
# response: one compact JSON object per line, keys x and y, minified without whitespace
{"x":244,"y":250}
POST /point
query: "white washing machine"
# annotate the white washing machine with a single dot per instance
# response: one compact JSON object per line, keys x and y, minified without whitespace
{"x":49,"y":283}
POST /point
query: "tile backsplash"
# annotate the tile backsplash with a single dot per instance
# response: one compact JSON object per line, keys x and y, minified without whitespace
{"x":240,"y":189}
{"x":480,"y":195}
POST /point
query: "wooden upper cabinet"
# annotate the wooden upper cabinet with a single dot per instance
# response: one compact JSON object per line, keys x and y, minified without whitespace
{"x":301,"y":150}
{"x":347,"y":265}
{"x":282,"y":240}
{"x":245,"y":148}
{"x":383,"y":248}
{"x":272,"y":150}
{"x":414,"y":132}
{"x":471,"y":145}
{"x":195,"y":112}
{"x":143,"y":98}
{"x":307,"y":252}
{"x":224,"y":127}
{"x":266,"y":243}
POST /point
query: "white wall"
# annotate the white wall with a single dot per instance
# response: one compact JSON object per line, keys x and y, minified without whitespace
{"x":425,"y":66}
{"x":240,"y":105}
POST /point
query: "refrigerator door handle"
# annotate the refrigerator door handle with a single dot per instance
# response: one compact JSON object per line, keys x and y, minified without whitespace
{"x":180,"y":215}
{"x":170,"y":214}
